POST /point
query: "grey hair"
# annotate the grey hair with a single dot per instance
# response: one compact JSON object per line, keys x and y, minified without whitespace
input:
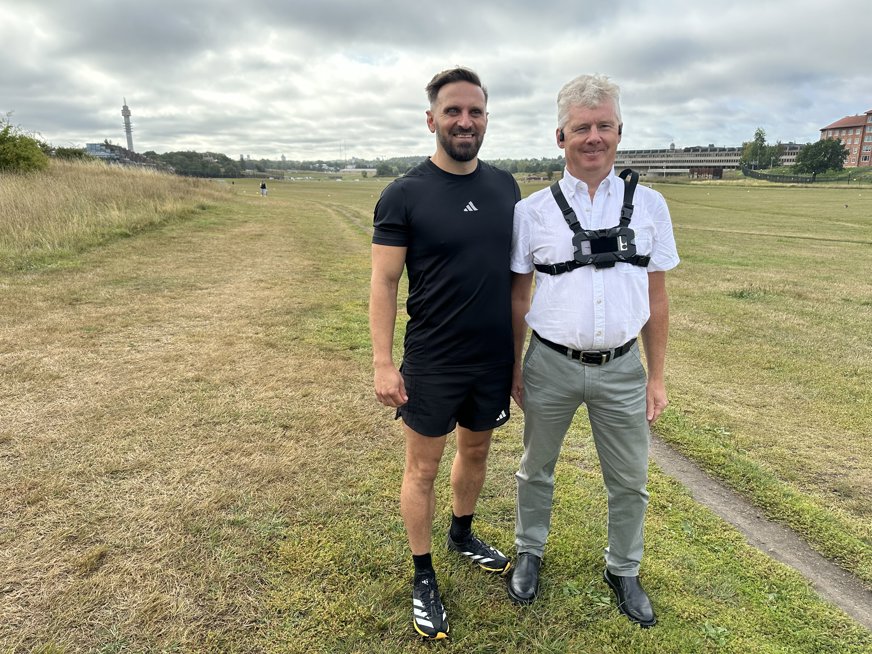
{"x":588,"y":91}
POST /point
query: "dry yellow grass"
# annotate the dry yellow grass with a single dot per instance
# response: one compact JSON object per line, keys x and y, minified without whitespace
{"x":144,"y":438}
{"x":75,"y":205}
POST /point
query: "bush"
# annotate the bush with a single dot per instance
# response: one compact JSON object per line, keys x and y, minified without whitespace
{"x":71,"y":153}
{"x":19,"y":153}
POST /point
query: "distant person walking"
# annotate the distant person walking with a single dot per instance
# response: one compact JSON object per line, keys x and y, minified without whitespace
{"x":448,"y":222}
{"x":600,"y":247}
{"x":263,"y":189}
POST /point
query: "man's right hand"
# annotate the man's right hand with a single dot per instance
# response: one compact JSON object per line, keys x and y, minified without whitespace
{"x":390,"y":389}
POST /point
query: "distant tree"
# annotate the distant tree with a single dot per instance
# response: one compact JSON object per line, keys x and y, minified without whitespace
{"x":758,"y":154}
{"x":200,"y":164}
{"x":71,"y":153}
{"x":384,"y":169}
{"x":46,"y":147}
{"x":821,"y":156}
{"x":19,"y":152}
{"x":364,"y":174}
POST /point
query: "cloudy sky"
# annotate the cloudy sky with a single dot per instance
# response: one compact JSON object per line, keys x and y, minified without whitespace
{"x":331,"y":79}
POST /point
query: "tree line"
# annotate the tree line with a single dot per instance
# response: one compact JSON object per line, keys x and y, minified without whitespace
{"x":812,"y":158}
{"x":21,"y":151}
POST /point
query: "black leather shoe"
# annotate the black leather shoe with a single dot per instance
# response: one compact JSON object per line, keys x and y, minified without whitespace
{"x":633,"y":602}
{"x":524,"y":582}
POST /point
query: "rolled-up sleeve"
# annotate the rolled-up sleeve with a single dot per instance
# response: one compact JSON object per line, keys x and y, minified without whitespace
{"x":664,"y":254}
{"x":522,"y":257}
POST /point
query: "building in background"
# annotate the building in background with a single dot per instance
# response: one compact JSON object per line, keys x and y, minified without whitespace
{"x":855,"y":133}
{"x":128,"y":129}
{"x":698,"y":161}
{"x":115,"y":154}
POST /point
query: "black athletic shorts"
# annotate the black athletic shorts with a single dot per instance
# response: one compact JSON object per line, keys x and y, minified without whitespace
{"x":438,"y":402}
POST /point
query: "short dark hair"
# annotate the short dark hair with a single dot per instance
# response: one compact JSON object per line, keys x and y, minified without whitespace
{"x":458,"y":74}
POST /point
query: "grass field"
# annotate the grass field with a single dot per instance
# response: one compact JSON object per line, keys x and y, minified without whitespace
{"x":770,"y":354}
{"x":192,"y":459}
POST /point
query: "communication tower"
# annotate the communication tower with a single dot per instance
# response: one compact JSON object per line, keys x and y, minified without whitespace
{"x":128,"y":130}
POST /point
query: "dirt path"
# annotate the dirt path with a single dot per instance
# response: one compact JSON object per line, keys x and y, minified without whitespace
{"x":782,"y":544}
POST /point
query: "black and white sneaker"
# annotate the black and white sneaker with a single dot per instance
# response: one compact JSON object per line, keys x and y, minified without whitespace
{"x":476,"y":550}
{"x":428,"y":615}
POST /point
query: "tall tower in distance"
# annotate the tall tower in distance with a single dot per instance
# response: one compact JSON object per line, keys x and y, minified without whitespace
{"x":128,"y":130}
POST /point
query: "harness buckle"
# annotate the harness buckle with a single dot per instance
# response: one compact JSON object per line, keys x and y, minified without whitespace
{"x":596,"y":358}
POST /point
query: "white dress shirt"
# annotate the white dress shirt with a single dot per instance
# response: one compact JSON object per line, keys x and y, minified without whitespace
{"x":589,"y":308}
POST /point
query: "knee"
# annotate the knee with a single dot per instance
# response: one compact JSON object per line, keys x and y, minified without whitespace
{"x":475,"y":454}
{"x":541,"y":476}
{"x":537,"y":467}
{"x":629,"y":488}
{"x":422,"y":471}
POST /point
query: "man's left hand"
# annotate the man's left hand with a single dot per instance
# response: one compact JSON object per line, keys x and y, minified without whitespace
{"x":655,"y":399}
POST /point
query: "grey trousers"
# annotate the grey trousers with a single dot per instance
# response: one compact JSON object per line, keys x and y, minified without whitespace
{"x":555,"y":386}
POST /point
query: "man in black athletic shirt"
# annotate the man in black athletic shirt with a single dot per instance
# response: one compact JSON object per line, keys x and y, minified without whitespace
{"x":448,"y":222}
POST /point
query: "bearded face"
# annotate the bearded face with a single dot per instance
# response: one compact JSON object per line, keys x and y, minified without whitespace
{"x":459,"y":119}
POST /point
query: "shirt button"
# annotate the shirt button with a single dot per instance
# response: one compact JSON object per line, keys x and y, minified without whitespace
{"x":599,"y":301}
{"x":599,"y":333}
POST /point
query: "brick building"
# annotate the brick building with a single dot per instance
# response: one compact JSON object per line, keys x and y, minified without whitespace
{"x":855,"y":133}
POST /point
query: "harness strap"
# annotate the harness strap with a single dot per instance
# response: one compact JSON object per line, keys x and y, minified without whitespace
{"x":629,"y":192}
{"x":626,"y":210}
{"x":631,"y":179}
{"x":568,"y":214}
{"x":568,"y":266}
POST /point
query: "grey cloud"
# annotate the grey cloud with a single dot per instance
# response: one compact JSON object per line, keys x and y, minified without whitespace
{"x":301,"y":77}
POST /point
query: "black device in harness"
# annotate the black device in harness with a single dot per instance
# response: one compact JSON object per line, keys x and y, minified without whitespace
{"x":600,"y":248}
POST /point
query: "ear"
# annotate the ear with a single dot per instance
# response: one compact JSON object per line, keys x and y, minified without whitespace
{"x":431,"y":122}
{"x":559,"y":135}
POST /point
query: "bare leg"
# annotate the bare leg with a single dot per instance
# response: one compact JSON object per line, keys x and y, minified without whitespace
{"x":469,"y":468}
{"x":417,"y":496}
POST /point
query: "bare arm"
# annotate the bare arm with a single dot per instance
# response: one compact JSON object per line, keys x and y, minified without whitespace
{"x":387,"y":268}
{"x":521,"y":285}
{"x":654,"y":336}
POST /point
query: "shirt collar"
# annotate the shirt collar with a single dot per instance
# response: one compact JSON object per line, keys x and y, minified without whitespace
{"x":571,"y":185}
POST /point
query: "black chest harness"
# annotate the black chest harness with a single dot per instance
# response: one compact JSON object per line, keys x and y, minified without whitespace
{"x":600,"y":248}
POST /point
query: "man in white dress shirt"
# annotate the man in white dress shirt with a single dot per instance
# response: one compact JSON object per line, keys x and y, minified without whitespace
{"x":600,"y":247}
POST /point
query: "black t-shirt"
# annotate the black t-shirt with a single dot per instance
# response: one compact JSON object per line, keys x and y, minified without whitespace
{"x":458,"y":231}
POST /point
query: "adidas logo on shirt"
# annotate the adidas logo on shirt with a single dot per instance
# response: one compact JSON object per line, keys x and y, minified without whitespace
{"x":470,"y":207}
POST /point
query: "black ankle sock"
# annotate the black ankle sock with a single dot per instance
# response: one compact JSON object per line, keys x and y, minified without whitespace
{"x":423,"y":564}
{"x":461,"y":527}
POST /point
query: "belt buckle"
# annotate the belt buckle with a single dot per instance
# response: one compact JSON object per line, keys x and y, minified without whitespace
{"x":596,"y":358}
